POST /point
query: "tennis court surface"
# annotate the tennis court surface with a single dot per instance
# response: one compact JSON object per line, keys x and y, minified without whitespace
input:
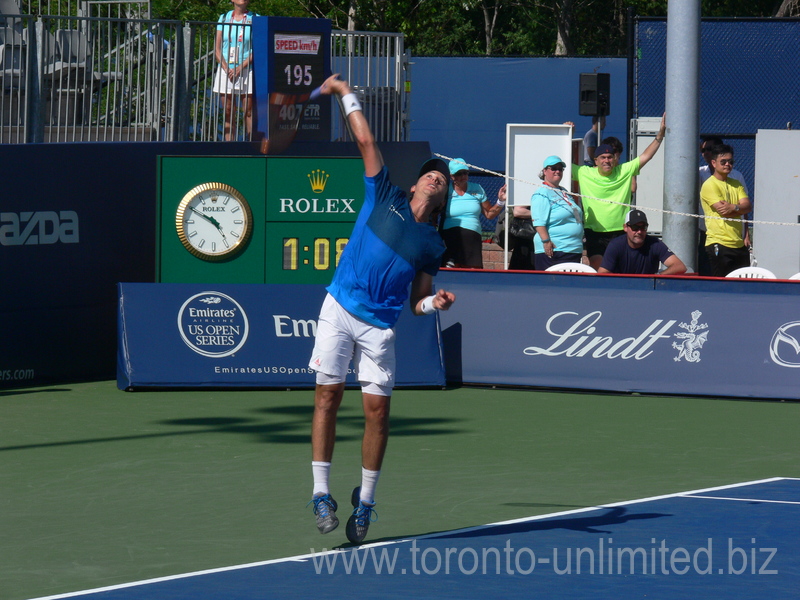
{"x":675,"y":546}
{"x":484,"y":494}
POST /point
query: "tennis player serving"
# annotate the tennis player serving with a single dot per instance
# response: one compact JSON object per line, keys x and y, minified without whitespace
{"x":394,"y":246}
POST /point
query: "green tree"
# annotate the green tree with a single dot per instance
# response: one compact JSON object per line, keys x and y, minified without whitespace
{"x":210,"y":10}
{"x":465,"y":27}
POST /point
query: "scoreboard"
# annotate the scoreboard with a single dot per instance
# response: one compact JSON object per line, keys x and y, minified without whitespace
{"x":292,"y":59}
{"x":302,"y":211}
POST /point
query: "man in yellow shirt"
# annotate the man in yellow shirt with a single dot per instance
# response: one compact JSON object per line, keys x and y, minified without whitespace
{"x":723,"y":196}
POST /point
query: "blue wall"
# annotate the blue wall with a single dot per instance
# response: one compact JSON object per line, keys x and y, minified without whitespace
{"x":462,"y":105}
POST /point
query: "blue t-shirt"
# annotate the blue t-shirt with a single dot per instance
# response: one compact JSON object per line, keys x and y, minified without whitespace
{"x":386,"y":250}
{"x":554,"y":209}
{"x":465,"y":211}
{"x":236,"y":34}
{"x":621,"y":258}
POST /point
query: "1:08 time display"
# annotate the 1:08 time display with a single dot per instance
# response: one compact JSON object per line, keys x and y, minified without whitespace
{"x":322,"y":255}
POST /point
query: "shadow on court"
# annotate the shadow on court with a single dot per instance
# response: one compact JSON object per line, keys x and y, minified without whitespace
{"x":295,"y":431}
{"x":21,"y":392}
{"x":603,"y":523}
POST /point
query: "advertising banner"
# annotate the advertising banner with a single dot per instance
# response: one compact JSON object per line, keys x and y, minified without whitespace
{"x":724,"y":337}
{"x":240,"y":335}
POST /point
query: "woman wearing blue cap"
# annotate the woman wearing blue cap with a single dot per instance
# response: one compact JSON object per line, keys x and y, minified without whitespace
{"x":461,"y":230}
{"x":558,"y":219}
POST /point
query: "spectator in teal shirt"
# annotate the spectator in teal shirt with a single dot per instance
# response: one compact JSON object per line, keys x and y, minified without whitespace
{"x":461,"y":230}
{"x":557,"y":218}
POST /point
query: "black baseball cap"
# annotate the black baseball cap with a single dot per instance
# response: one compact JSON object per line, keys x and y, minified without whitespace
{"x":635,"y":217}
{"x":435,"y":164}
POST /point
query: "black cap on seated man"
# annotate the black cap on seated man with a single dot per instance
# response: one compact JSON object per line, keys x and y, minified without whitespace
{"x":636,"y":224}
{"x":637,"y":253}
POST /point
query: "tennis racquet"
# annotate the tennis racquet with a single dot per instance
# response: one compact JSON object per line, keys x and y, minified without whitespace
{"x":286,"y":112}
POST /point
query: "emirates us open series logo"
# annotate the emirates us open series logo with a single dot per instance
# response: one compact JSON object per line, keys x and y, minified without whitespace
{"x":213,"y":324}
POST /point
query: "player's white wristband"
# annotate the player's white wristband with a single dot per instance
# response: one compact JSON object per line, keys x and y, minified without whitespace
{"x":427,"y":306}
{"x":350,"y":103}
{"x":500,"y":203}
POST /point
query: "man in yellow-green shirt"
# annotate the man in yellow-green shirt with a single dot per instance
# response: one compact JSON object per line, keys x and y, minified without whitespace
{"x":723,"y":196}
{"x":606,"y":194}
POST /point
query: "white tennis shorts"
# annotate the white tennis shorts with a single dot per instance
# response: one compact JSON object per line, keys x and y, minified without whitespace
{"x":342,"y":337}
{"x":242,"y":85}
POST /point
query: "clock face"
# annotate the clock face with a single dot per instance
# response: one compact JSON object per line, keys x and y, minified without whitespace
{"x":214,"y":221}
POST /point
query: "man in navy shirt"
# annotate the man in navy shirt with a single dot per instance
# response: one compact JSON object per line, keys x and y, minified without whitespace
{"x":639,"y":253}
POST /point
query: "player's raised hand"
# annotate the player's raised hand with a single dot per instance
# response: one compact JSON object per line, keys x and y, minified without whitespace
{"x":334,"y":85}
{"x":443,"y":299}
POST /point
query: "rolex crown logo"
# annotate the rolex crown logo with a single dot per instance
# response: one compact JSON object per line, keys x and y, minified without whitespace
{"x":214,"y":199}
{"x":318,"y":180}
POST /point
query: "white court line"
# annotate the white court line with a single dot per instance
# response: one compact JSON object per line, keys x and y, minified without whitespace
{"x":612,"y":505}
{"x":306,"y":557}
{"x":759,"y":500}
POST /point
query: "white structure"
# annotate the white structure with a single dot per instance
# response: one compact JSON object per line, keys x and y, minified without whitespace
{"x":777,"y":199}
{"x":526,"y":148}
{"x":650,"y":182}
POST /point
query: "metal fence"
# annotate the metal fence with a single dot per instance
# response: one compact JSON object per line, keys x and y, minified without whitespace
{"x":127,"y":9}
{"x":74,"y":79}
{"x":748,"y":81}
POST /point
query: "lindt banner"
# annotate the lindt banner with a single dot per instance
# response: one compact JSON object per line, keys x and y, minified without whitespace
{"x":724,"y":337}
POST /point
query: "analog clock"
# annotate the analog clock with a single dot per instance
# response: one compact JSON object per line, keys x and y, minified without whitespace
{"x":214,"y":221}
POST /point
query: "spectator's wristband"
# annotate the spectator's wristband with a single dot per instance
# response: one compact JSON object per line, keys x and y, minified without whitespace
{"x":427,"y":306}
{"x":350,"y":103}
{"x":546,"y":241}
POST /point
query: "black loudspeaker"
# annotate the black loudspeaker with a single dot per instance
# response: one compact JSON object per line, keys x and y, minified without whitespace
{"x":595,"y":93}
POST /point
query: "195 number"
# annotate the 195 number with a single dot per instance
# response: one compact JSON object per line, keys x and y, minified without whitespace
{"x":298,"y":74}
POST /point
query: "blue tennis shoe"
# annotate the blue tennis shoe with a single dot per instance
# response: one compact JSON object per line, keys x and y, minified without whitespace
{"x":325,"y":510}
{"x":363,"y":515}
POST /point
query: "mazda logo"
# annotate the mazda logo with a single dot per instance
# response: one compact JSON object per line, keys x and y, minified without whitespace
{"x":784,"y":349}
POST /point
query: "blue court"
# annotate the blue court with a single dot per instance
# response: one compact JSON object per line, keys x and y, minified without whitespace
{"x":739,"y":541}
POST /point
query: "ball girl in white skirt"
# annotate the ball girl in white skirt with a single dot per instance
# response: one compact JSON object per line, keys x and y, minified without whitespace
{"x":234,"y":77}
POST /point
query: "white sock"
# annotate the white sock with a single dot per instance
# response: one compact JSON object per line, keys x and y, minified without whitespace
{"x":321,"y":471}
{"x":369,"y":480}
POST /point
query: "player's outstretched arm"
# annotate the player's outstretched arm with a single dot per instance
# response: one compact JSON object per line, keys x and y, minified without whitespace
{"x":373,"y":160}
